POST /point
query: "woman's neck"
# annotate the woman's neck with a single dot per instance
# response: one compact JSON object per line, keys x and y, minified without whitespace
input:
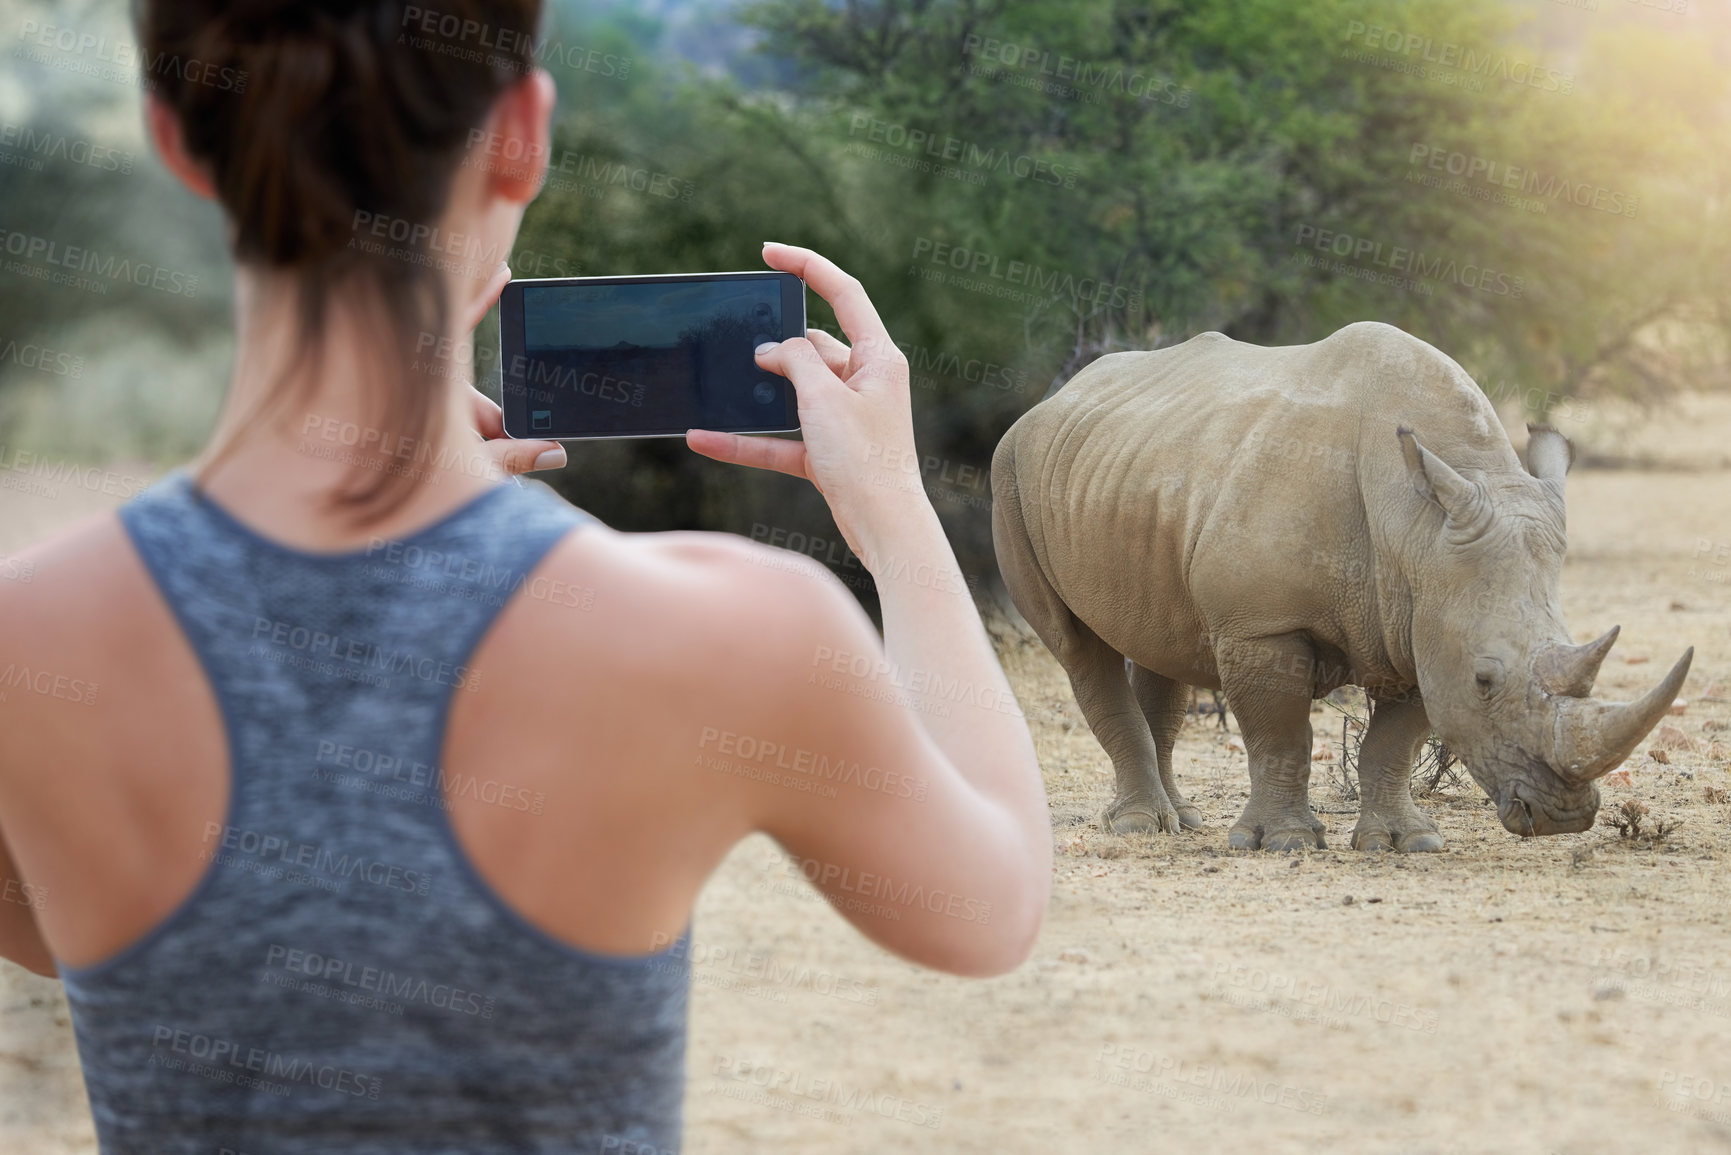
{"x":276,"y":466}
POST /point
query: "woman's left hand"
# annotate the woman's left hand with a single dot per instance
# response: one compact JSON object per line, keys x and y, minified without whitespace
{"x":512,"y":456}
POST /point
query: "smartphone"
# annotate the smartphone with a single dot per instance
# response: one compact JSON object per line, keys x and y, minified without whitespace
{"x":648,"y":356}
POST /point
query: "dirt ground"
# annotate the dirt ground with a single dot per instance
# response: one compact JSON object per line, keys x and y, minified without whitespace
{"x":1566,"y":994}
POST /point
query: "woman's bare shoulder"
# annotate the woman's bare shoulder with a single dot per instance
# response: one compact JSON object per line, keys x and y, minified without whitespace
{"x":79,"y":584}
{"x":78,"y":617}
{"x":687,"y":597}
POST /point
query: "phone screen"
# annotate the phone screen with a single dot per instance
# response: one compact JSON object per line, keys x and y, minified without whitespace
{"x":646,"y":356}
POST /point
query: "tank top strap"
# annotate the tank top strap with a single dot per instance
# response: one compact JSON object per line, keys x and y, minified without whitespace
{"x":371,"y":642}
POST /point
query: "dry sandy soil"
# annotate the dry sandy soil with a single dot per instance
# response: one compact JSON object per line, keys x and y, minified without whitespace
{"x":1566,"y":994}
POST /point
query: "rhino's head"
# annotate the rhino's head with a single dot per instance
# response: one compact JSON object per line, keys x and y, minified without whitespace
{"x":1503,"y":684}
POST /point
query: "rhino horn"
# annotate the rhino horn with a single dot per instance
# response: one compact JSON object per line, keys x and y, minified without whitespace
{"x":1464,"y":503}
{"x":1593,"y":737}
{"x":1570,"y":670}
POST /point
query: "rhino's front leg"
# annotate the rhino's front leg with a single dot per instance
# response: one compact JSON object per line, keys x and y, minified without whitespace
{"x":1387,"y":818}
{"x":1268,"y":682}
{"x":1103,"y":692}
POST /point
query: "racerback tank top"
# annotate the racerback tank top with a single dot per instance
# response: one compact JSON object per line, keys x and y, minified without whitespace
{"x":342,"y":981}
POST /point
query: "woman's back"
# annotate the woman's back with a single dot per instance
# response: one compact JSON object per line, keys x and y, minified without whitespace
{"x":340,"y":968}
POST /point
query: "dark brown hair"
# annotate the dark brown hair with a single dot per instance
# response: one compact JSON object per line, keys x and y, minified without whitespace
{"x":315,"y":116}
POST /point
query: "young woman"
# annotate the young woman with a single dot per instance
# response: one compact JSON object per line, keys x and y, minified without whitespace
{"x":356,"y":784}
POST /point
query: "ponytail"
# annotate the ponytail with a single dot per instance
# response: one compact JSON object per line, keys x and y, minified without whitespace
{"x":315,"y":116}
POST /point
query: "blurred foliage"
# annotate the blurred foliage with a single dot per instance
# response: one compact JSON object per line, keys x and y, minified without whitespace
{"x":1197,"y":144}
{"x":1186,"y":155}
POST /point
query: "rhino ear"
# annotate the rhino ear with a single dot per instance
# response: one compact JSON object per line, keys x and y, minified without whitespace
{"x":1467,"y":509}
{"x":1549,"y":453}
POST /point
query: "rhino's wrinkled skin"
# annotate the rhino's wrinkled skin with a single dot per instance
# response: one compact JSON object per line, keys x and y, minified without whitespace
{"x":1277,"y":522}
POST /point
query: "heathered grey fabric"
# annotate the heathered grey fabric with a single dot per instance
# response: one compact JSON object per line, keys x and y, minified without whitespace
{"x":342,"y":982}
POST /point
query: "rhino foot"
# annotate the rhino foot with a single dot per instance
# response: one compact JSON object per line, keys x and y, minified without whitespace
{"x":1286,"y":837}
{"x":1140,"y":814}
{"x":1407,"y":834}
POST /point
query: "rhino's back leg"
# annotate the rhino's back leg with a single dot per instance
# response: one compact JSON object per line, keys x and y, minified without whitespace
{"x":1103,"y":692}
{"x":1387,"y":817}
{"x":1164,"y":703}
{"x":1096,"y":670}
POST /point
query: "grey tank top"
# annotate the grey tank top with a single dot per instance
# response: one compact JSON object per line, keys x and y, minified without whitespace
{"x":342,"y":981}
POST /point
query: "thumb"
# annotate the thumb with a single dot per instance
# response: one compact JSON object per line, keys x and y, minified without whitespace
{"x":526,"y":456}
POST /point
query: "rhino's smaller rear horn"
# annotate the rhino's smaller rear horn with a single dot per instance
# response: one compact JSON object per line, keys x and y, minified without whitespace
{"x":1571,"y":670}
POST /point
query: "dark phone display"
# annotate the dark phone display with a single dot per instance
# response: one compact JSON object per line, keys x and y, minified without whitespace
{"x":649,"y":358}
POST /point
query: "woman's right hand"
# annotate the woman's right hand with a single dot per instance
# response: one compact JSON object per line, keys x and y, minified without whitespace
{"x":854,"y":413}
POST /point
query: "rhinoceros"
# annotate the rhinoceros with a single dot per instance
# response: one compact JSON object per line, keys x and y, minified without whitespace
{"x":1281,"y":521}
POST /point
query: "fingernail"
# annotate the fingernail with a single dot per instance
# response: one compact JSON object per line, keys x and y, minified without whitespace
{"x":553,"y":458}
{"x":766,"y":347}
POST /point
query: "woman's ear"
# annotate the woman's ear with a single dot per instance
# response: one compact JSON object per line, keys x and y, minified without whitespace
{"x":171,"y":147}
{"x":515,"y":146}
